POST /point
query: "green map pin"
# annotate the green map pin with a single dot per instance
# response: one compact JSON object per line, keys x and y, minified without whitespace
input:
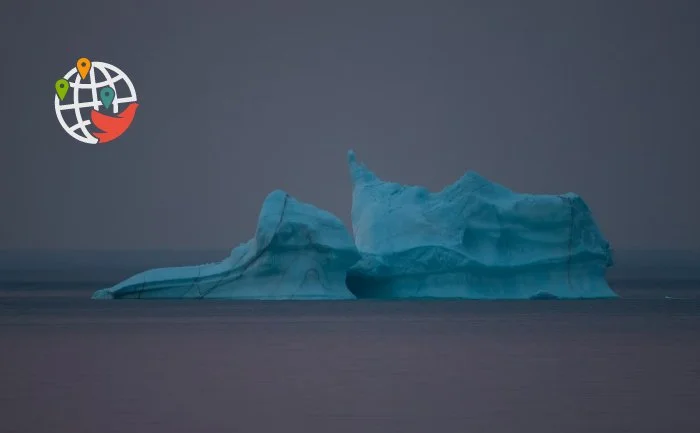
{"x":106,"y":96}
{"x":62,"y":87}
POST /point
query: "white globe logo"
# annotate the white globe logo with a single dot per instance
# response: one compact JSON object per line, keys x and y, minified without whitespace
{"x":75,"y":108}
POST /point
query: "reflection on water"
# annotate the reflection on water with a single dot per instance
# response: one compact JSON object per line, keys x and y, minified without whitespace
{"x":73,"y":364}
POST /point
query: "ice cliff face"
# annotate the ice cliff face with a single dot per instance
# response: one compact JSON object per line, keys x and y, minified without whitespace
{"x":474,"y":239}
{"x":298,"y":252}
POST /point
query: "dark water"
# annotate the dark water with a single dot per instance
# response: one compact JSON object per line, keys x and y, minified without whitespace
{"x":70,"y":364}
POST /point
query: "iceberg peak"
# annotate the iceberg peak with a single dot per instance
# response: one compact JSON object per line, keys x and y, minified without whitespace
{"x":359,"y":173}
{"x":471,"y":181}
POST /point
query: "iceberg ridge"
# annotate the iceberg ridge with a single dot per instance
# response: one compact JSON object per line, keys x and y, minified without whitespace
{"x":474,"y":239}
{"x":298,"y":252}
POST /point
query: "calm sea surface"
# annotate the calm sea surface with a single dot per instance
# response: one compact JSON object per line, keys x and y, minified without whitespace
{"x":70,"y":364}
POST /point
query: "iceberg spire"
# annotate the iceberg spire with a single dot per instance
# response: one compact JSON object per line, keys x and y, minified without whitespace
{"x":359,"y":173}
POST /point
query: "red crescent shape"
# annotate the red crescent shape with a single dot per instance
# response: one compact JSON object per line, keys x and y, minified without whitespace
{"x":112,"y":127}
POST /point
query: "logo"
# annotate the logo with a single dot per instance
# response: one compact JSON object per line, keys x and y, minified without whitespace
{"x":95,"y":102}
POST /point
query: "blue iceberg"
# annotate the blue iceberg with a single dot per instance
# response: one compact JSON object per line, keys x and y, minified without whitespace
{"x":474,"y":239}
{"x":298,"y":252}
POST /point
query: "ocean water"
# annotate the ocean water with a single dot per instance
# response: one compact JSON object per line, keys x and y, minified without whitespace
{"x":71,"y":364}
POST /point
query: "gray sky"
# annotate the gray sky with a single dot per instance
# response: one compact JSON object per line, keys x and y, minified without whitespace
{"x":240,"y":98}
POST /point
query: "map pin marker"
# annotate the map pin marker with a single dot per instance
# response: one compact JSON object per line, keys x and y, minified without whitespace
{"x":62,"y":88}
{"x":83,"y":66}
{"x":106,"y":96}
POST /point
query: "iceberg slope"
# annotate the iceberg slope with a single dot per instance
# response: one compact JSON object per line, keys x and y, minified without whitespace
{"x":298,"y":252}
{"x":474,"y":239}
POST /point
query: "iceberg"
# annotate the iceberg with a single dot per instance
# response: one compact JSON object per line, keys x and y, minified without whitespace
{"x":474,"y":239}
{"x":298,"y":252}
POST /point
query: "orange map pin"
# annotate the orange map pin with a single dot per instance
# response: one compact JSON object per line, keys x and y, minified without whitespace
{"x":83,"y":66}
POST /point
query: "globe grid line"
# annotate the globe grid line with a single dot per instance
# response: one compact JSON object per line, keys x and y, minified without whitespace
{"x":110,"y":83}
{"x":78,"y":116}
{"x":90,"y":104}
{"x":78,"y":125}
{"x":99,"y":83}
{"x":93,"y":88}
